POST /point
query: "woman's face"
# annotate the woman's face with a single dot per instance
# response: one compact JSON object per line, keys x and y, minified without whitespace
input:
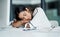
{"x":25,"y":15}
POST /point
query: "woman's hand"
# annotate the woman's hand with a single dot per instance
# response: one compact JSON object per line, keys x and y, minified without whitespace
{"x":25,"y":21}
{"x":17,"y":24}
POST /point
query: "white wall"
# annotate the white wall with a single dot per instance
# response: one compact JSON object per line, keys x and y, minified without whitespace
{"x":29,"y":1}
{"x":26,"y":1}
{"x":4,"y":12}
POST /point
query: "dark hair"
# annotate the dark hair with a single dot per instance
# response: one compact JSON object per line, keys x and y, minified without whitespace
{"x":18,"y":10}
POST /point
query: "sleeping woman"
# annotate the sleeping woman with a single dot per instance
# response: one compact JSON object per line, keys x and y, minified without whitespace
{"x":22,"y":16}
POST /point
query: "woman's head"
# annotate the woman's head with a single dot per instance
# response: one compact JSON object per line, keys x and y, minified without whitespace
{"x":23,"y":13}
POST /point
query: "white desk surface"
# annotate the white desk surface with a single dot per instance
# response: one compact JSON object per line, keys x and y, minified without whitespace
{"x":14,"y":32}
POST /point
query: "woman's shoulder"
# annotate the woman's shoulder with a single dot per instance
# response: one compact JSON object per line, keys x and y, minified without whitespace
{"x":37,"y":9}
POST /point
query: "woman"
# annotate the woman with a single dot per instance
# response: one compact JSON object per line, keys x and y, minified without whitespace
{"x":22,"y":16}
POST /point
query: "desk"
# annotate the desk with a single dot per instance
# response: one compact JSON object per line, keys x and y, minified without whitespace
{"x":14,"y":32}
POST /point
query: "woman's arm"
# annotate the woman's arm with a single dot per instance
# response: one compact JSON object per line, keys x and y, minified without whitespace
{"x":17,"y":24}
{"x":20,"y":23}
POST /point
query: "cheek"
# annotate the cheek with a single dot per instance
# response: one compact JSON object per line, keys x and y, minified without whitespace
{"x":29,"y":16}
{"x":20,"y":16}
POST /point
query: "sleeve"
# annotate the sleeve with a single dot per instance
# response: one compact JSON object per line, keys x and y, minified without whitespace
{"x":40,"y":19}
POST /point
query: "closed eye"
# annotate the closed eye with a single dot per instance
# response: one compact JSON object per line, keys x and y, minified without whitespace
{"x":24,"y":14}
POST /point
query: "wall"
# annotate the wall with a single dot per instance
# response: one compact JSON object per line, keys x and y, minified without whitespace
{"x":4,"y":12}
{"x":26,"y":1}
